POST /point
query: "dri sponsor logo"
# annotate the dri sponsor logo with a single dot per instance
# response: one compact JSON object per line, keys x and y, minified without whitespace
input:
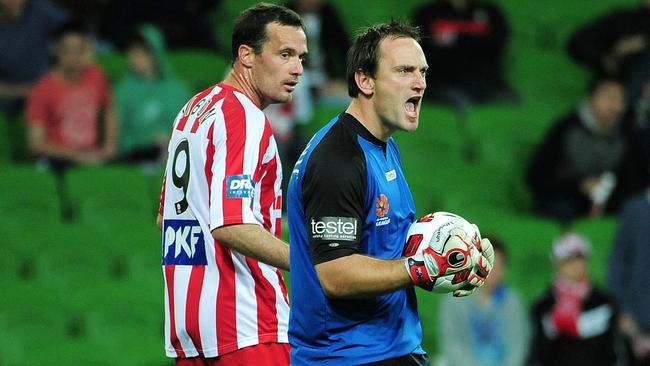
{"x":183,"y":243}
{"x":334,"y":228}
{"x":239,"y":186}
{"x":381,"y":209}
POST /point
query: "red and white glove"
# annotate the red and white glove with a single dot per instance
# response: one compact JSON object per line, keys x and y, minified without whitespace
{"x":483,"y":258}
{"x":442,"y":271}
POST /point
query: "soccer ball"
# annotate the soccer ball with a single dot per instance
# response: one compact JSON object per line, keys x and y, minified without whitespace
{"x":435,"y":230}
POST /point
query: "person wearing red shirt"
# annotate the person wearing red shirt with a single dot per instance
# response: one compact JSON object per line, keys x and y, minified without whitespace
{"x":69,"y":114}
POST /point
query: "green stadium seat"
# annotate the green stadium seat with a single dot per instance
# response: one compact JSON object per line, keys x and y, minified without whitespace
{"x":199,"y":69}
{"x":438,"y":138}
{"x":30,"y":318}
{"x":5,"y":147}
{"x":113,"y":192}
{"x":130,"y":331}
{"x":528,"y":240}
{"x":28,"y":194}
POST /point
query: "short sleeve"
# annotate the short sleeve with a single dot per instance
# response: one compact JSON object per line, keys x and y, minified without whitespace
{"x":241,"y":149}
{"x":334,"y":188}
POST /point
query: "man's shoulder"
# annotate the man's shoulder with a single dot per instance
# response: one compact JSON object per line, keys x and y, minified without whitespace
{"x":337,"y":143}
{"x":46,"y":84}
{"x":236,"y":104}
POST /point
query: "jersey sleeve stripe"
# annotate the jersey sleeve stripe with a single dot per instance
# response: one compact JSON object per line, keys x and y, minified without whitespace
{"x":267,"y":182}
{"x":209,"y":161}
{"x":264,"y":145}
{"x":267,"y":197}
{"x":235,"y":137}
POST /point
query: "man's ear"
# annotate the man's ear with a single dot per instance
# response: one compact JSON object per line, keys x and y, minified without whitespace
{"x":246,"y":55}
{"x":365,"y":82}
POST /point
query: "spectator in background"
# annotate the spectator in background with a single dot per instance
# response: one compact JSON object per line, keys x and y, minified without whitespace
{"x":328,"y":44}
{"x":464,"y":42}
{"x":638,"y":159}
{"x":629,"y":276}
{"x":489,"y":328}
{"x":69,"y":113}
{"x":617,"y":43}
{"x":25,"y":29}
{"x":576,"y":169}
{"x":147,"y":99}
{"x":574,"y":323}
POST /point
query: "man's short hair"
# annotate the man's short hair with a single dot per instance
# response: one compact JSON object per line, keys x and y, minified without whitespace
{"x":363,"y":55}
{"x":250,"y":25}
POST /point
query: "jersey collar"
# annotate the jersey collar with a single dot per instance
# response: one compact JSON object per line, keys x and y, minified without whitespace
{"x":350,"y":121}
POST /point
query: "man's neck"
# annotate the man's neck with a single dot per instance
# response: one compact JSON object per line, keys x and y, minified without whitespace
{"x":69,"y":74}
{"x":361,"y":109}
{"x":240,"y":78}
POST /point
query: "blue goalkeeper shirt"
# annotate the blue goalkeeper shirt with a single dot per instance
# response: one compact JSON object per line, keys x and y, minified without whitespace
{"x":348,"y":195}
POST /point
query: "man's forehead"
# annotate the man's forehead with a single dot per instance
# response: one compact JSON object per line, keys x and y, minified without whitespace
{"x":286,"y":35}
{"x":401,"y":51}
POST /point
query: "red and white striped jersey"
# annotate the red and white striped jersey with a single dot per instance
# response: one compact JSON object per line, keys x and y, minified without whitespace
{"x":223,"y":169}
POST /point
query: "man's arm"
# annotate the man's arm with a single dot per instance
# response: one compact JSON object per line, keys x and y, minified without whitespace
{"x":255,"y":242}
{"x":252,"y":241}
{"x":159,"y":222}
{"x":38,"y":144}
{"x":357,"y":276}
{"x":10,"y":90}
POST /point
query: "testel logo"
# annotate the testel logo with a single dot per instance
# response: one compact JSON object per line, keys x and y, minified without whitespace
{"x":382,"y":206}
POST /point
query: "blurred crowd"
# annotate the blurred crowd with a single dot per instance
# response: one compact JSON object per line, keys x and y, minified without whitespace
{"x":593,"y":161}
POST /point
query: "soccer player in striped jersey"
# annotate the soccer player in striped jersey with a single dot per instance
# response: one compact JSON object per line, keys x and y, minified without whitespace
{"x":225,"y":299}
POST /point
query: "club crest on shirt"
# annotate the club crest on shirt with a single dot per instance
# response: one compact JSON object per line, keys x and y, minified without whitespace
{"x":381,"y":209}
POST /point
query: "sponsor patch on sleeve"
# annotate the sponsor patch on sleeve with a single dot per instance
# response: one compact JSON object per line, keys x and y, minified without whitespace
{"x":334,"y":228}
{"x":239,"y":186}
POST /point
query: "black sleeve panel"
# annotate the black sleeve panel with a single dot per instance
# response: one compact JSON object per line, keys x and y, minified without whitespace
{"x":334,"y":191}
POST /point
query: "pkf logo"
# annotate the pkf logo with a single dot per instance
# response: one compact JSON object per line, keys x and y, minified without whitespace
{"x":382,"y":206}
{"x":239,"y":186}
{"x":183,"y":243}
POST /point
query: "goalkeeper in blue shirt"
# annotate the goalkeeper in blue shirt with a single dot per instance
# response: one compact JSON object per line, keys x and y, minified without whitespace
{"x":353,"y":300}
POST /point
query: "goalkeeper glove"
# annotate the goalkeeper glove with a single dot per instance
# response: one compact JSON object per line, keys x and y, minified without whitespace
{"x":483,"y":257}
{"x":425,"y":265}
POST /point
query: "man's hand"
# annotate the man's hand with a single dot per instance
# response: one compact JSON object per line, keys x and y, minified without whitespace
{"x":427,"y":267}
{"x":483,"y":261}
